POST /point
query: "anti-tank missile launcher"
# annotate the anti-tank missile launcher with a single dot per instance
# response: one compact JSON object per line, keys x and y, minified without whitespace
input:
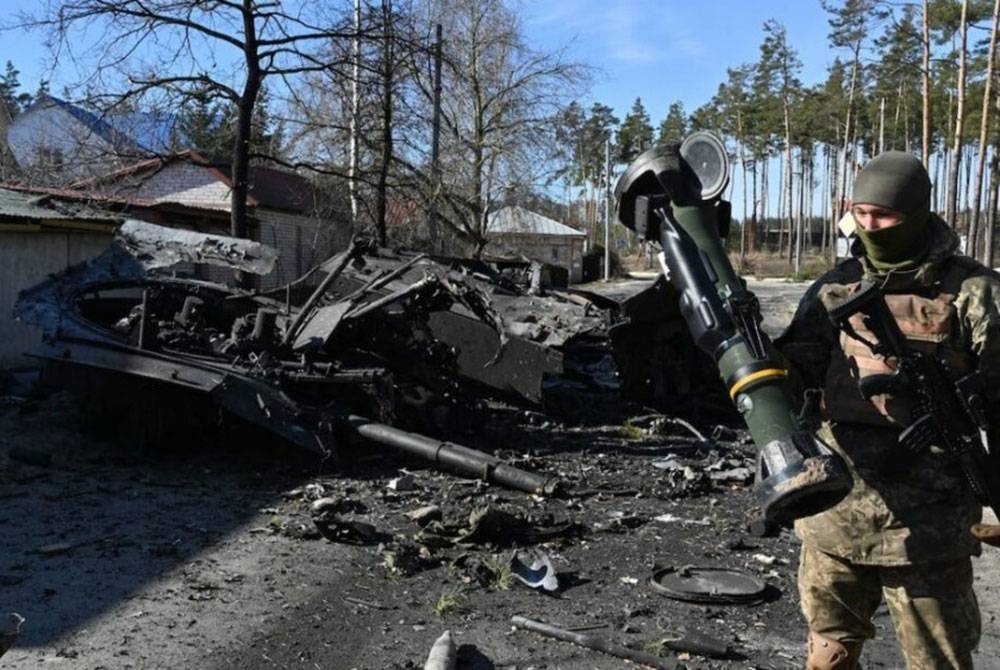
{"x":671,"y":194}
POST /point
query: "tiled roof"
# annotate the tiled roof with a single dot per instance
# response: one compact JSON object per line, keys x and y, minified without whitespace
{"x":517,"y":220}
{"x":270,"y":188}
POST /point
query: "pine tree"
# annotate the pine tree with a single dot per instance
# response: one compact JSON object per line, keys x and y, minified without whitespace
{"x":674,"y":127}
{"x":15,"y":100}
{"x":635,"y":134}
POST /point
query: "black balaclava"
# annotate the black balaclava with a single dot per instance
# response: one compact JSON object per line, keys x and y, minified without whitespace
{"x":896,"y":180}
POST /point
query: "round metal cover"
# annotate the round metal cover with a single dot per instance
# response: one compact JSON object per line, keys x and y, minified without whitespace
{"x":706,"y":155}
{"x":708,"y":585}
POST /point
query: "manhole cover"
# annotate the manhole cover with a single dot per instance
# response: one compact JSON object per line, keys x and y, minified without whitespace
{"x":707,"y":585}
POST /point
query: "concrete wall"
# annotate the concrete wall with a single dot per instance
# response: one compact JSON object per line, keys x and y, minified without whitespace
{"x":25,"y":260}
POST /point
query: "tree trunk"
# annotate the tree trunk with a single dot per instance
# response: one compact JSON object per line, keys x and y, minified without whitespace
{"x":825,"y":241}
{"x":781,"y":205}
{"x":974,"y":224}
{"x":744,"y":231}
{"x":881,"y":125}
{"x":991,"y":217}
{"x":352,"y":181}
{"x":764,"y":204}
{"x":788,"y":179}
{"x":848,"y":134}
{"x":388,"y":71}
{"x":951,"y":206}
{"x":925,"y":149}
{"x":834,"y":181}
{"x":753,"y":215}
{"x":238,"y":226}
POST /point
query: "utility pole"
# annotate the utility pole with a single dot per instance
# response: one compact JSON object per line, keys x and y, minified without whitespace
{"x":607,"y":209}
{"x":432,"y":215}
{"x":352,"y":180}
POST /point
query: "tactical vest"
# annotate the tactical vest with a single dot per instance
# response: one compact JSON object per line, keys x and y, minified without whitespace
{"x":928,"y":319}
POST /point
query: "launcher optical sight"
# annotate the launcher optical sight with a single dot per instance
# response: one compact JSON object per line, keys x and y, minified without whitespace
{"x":671,"y":194}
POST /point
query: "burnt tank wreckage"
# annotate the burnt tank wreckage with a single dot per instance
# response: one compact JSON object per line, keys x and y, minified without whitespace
{"x":371,"y":343}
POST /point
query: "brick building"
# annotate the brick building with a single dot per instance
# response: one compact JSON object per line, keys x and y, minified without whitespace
{"x":519,"y":232}
{"x":185,"y":190}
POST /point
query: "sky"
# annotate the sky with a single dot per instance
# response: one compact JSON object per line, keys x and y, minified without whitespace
{"x":656,"y":50}
{"x":667,"y":50}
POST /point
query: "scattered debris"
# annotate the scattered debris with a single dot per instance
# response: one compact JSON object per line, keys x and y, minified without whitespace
{"x":57,"y":548}
{"x":425,"y":515}
{"x":327,"y":515}
{"x":10,"y":630}
{"x":540,"y":574}
{"x":443,"y":654}
{"x":596,"y":643}
{"x":673,"y":518}
{"x":694,"y":642}
{"x":405,"y":482}
{"x":708,"y":585}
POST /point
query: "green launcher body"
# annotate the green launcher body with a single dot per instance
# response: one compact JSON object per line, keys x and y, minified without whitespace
{"x":670,"y":194}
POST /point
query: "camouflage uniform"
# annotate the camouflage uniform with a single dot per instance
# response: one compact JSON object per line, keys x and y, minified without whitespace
{"x":902,"y":533}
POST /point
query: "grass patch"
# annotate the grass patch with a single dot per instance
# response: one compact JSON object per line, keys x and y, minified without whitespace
{"x":449,"y":602}
{"x":499,"y":567}
{"x":633,"y":433}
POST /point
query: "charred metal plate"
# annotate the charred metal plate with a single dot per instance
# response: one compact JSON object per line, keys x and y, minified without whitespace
{"x":708,"y":585}
{"x":159,"y":247}
{"x":320,"y":326}
{"x":520,"y":367}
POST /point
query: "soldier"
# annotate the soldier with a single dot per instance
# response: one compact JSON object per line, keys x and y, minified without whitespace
{"x":903,"y":533}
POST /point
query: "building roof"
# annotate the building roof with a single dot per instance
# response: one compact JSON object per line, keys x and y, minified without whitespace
{"x":270,"y":188}
{"x":515,"y":220}
{"x":18,"y":206}
{"x":150,"y":132}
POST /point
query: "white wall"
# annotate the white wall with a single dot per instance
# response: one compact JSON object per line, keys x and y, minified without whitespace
{"x":181,"y":182}
{"x":84,"y":153}
{"x":25,"y":260}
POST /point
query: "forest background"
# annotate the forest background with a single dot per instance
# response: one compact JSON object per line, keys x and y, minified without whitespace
{"x":418,"y":118}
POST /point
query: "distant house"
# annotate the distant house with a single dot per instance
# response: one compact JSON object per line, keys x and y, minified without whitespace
{"x":40,"y":236}
{"x":56,"y":142}
{"x":515,"y":230}
{"x":185,"y":190}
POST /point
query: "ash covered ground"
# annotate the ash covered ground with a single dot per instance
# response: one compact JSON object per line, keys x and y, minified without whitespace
{"x":125,"y":556}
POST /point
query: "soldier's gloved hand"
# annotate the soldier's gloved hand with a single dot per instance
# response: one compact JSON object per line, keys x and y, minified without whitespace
{"x":987,"y":533}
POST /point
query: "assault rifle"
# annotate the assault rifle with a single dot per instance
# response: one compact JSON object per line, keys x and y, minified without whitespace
{"x":950,"y":414}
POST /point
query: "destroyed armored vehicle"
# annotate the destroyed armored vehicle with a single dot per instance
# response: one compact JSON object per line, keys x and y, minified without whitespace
{"x":368,"y":338}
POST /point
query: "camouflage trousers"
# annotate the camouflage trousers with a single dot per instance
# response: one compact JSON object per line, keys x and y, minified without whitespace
{"x":933,"y":607}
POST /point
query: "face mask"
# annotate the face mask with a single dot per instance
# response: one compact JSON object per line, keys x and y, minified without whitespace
{"x":899,"y":247}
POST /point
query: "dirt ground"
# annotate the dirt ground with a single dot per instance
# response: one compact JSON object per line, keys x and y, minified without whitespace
{"x":209,"y":558}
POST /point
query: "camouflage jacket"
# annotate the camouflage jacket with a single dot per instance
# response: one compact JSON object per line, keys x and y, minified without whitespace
{"x":922,"y":511}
